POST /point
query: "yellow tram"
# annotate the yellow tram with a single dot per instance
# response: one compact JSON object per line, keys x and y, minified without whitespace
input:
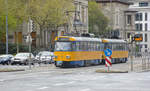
{"x":84,"y":51}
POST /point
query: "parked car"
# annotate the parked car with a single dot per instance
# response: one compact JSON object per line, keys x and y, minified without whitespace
{"x":6,"y":59}
{"x":45,"y":57}
{"x":23,"y":58}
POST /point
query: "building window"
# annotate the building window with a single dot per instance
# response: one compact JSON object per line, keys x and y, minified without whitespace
{"x":104,"y":4}
{"x":143,"y":4}
{"x":145,"y":26}
{"x":145,"y":16}
{"x":117,"y":19}
{"x":138,"y":17}
{"x":145,"y":46}
{"x":138,"y":27}
{"x":10,"y":36}
{"x":83,"y":14}
{"x":128,"y":35}
{"x":145,"y":37}
{"x":129,"y":19}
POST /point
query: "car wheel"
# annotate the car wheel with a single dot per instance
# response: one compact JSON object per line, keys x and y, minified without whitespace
{"x":8,"y":63}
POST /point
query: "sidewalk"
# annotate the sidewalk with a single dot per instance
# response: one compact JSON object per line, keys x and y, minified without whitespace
{"x":15,"y":68}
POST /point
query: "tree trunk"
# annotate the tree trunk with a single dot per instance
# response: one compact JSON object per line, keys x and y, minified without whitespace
{"x":40,"y":37}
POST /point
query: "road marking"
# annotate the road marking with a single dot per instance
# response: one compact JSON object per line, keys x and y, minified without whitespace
{"x":43,"y":88}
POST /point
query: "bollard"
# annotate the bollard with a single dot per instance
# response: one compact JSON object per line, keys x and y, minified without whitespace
{"x":145,"y":63}
{"x":142,"y":64}
{"x":148,"y":63}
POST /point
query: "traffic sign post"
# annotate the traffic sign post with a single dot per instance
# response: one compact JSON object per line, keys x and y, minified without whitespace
{"x":108,"y":54}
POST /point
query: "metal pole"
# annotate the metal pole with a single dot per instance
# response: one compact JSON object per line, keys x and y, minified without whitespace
{"x":6,"y":27}
{"x":17,"y":42}
{"x":29,"y":44}
{"x":148,"y":63}
{"x":6,"y":34}
{"x":108,"y":69}
{"x":131,"y":56}
{"x":30,"y":51}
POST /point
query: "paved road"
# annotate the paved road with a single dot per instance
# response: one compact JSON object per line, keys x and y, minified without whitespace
{"x":74,"y":79}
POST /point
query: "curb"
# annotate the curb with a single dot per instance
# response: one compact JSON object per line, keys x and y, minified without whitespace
{"x":111,"y":71}
{"x":11,"y":70}
{"x":143,"y":71}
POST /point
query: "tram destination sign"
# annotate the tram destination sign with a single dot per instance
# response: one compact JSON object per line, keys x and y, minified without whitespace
{"x":63,"y":39}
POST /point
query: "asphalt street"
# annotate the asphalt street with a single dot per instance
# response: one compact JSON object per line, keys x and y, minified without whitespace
{"x":74,"y":79}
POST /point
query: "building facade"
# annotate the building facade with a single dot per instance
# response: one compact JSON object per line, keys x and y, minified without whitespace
{"x":78,"y":22}
{"x":114,"y":11}
{"x":142,"y":22}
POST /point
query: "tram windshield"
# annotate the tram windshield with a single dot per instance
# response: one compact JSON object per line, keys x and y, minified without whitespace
{"x":63,"y":46}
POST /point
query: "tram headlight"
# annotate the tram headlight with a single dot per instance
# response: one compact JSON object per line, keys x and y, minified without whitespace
{"x":68,"y":57}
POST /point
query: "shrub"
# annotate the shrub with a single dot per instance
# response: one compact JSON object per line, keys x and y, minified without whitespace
{"x":12,"y":48}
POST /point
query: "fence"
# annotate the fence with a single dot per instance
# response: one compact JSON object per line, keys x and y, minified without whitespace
{"x":139,"y":62}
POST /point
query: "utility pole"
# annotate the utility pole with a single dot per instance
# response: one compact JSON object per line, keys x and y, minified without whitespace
{"x":29,"y":35}
{"x":29,"y":41}
{"x":6,"y":26}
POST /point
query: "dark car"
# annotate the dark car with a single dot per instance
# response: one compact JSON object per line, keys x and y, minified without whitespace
{"x":6,"y":59}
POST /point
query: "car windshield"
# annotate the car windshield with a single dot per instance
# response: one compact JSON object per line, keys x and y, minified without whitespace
{"x":3,"y":56}
{"x":45,"y":54}
{"x":22,"y":55}
{"x":63,"y":46}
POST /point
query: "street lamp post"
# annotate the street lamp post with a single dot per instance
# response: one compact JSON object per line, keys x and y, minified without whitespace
{"x":6,"y":26}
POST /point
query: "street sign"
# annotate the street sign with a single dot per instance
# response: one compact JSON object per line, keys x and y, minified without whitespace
{"x":28,"y":39}
{"x":138,"y":38}
{"x":108,"y":61}
{"x":108,"y":52}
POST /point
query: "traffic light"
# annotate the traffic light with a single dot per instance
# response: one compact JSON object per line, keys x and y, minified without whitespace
{"x":31,"y":26}
{"x":28,"y":39}
{"x":138,"y":38}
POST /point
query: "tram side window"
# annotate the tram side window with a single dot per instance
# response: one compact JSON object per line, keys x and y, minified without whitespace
{"x":114,"y":46}
{"x":120,"y":47}
{"x":97,"y":49}
{"x":101,"y":47}
{"x":126,"y":47}
{"x":108,"y":46}
{"x":85,"y":46}
{"x":77,"y":46}
{"x":94,"y":43}
{"x":80,"y":46}
{"x":117,"y":46}
{"x":91,"y":46}
{"x":88,"y":46}
{"x":74,"y":46}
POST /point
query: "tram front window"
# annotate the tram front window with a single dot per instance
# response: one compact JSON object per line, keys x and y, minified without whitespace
{"x":63,"y":46}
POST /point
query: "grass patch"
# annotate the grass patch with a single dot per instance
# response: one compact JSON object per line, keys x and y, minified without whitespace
{"x":11,"y":70}
{"x":111,"y":71}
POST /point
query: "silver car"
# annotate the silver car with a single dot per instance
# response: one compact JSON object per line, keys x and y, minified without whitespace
{"x":44,"y":57}
{"x":23,"y":58}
